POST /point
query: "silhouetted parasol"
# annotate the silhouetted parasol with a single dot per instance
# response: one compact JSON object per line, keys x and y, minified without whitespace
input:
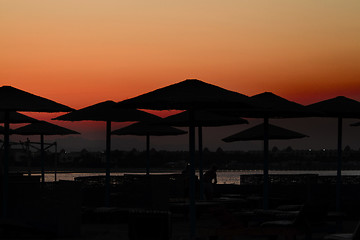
{"x":339,"y":107}
{"x":203,"y":118}
{"x":2,"y":131}
{"x":13,"y":99}
{"x":148,"y":129}
{"x":105,"y":111}
{"x":257,"y":133}
{"x":15,"y":117}
{"x":273,"y":107}
{"x":43,"y":128}
{"x":189,"y":95}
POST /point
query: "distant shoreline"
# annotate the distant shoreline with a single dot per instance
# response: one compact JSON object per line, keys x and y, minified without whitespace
{"x":23,"y":170}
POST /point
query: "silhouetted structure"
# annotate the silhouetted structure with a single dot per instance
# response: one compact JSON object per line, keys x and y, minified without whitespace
{"x":43,"y":128}
{"x":273,"y":106}
{"x":202,"y":119}
{"x":106,"y":112}
{"x":13,"y":99}
{"x":189,"y":95}
{"x":339,"y":107}
{"x":148,"y":129}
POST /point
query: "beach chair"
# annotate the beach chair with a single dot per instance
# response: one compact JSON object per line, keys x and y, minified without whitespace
{"x":345,"y":236}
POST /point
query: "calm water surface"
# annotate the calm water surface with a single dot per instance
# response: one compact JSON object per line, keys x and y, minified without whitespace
{"x":224,"y":177}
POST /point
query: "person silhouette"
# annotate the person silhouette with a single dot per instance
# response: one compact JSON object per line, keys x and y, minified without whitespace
{"x":210,"y":179}
{"x":186,"y":178}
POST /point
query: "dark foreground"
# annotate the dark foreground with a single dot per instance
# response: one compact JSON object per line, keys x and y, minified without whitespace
{"x":157,"y":207}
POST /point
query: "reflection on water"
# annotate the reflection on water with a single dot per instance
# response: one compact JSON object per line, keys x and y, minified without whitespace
{"x":224,"y":177}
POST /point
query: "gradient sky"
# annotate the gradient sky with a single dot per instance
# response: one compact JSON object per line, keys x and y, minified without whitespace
{"x":85,"y":51}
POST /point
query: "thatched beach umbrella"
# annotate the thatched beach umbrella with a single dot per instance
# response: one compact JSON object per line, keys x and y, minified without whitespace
{"x":257,"y":133}
{"x":43,"y":128}
{"x":190,"y":95}
{"x":339,"y":107}
{"x":148,"y":129}
{"x":105,"y":112}
{"x":13,"y":99}
{"x":202,"y":119}
{"x":274,"y":106}
{"x":2,"y":131}
{"x":15,"y":117}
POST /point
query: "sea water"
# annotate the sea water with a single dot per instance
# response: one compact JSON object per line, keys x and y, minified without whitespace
{"x":223,"y":176}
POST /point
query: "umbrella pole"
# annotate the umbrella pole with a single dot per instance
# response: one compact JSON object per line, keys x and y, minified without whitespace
{"x":5,"y":164}
{"x":147,"y":154}
{"x":192,"y":214}
{"x":339,"y":167}
{"x":56,"y":160}
{"x":201,"y":162}
{"x":42,"y":158}
{"x":107,"y":178}
{"x":266,"y":164}
{"x":27,"y":144}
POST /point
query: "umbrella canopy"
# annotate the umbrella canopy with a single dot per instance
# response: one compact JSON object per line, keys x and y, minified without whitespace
{"x":274,"y":106}
{"x":2,"y":131}
{"x":143,"y":129}
{"x":148,"y":129}
{"x":190,"y":95}
{"x":106,"y":111}
{"x":15,"y":117}
{"x":339,"y":107}
{"x":203,"y":118}
{"x":43,"y":128}
{"x":257,"y":133}
{"x":13,"y":99}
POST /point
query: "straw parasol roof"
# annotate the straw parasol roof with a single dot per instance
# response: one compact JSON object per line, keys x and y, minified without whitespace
{"x":257,"y":133}
{"x":13,"y":99}
{"x":337,"y":107}
{"x":106,"y":111}
{"x":15,"y":117}
{"x":274,"y":106}
{"x":43,"y":128}
{"x":2,"y":130}
{"x":144,"y":128}
{"x":188,"y":94}
{"x":203,"y":118}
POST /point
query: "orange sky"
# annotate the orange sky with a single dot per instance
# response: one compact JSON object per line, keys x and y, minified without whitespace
{"x":86,"y":51}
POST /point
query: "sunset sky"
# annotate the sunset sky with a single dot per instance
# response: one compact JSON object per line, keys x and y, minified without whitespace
{"x":81,"y":52}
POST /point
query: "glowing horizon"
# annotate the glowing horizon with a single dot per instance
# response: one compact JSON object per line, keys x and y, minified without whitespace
{"x":79,"y":53}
